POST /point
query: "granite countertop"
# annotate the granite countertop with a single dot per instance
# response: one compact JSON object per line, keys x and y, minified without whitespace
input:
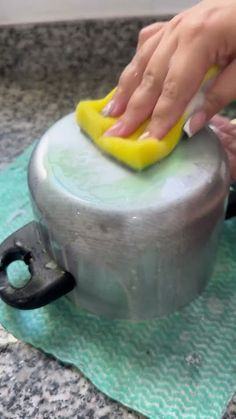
{"x":44,"y":71}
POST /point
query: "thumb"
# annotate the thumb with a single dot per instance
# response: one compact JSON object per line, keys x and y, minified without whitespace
{"x":220,"y":94}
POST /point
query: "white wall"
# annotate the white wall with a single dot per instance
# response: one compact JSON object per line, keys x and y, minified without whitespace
{"x":27,"y":11}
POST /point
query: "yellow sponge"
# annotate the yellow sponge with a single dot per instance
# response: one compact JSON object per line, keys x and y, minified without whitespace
{"x":134,"y":153}
{"x":131,"y":151}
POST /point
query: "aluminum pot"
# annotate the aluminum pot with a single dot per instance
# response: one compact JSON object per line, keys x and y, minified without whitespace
{"x":120,"y":244}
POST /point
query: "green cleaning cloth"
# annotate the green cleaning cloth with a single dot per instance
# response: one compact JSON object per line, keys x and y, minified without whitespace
{"x":181,"y":366}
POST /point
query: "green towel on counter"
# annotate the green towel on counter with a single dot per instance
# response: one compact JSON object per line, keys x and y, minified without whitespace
{"x":182,"y":366}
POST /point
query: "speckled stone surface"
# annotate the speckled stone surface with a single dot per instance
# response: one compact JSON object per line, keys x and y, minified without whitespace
{"x":28,"y":106}
{"x":44,"y":71}
{"x":34,"y":385}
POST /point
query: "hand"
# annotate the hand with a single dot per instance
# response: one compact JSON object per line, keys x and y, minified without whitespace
{"x":169,"y":65}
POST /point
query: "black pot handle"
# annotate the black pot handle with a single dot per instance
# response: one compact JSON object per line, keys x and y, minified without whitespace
{"x":231,"y":208}
{"x":48,"y":282}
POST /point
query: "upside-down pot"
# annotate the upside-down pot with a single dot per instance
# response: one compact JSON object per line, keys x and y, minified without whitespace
{"x":120,"y":244}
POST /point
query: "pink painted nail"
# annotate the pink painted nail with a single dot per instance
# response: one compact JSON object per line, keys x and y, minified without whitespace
{"x":113,"y":109}
{"x":144,"y":136}
{"x":116,"y":109}
{"x":159,"y":131}
{"x":195,"y":123}
{"x":115,"y":130}
{"x":108,"y":108}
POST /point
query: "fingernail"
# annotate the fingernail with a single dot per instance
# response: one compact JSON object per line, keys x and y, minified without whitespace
{"x":159,"y":130}
{"x":144,"y":136}
{"x":214,"y":128}
{"x":108,"y":108}
{"x":186,"y":128}
{"x":112,"y":109}
{"x":115,"y":130}
{"x":195,"y":123}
